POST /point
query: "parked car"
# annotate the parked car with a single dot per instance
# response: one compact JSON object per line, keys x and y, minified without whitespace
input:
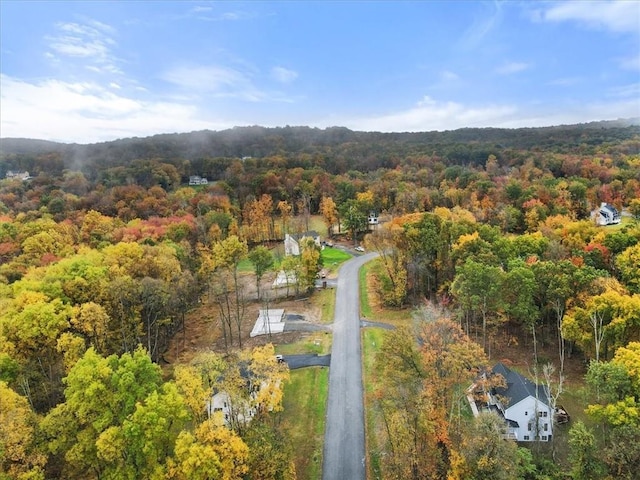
{"x":359,"y":249}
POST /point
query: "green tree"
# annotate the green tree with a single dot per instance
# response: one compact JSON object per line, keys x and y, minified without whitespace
{"x":100,"y":394}
{"x":583,"y":453}
{"x":262,"y":260}
{"x":354,"y":218}
{"x":478,"y":289}
{"x":485,"y":453}
{"x":20,"y":456}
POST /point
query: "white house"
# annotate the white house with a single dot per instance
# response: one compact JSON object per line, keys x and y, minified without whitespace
{"x":238,"y":410}
{"x":292,"y":241}
{"x":523,"y":405}
{"x":18,"y":175}
{"x":197,"y":180}
{"x":607,"y":215}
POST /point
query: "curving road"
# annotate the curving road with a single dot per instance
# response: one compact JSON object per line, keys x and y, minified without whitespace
{"x":344,"y":454}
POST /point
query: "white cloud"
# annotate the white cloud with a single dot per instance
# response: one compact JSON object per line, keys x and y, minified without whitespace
{"x":631,"y":63}
{"x":215,"y":81}
{"x":430,"y":114}
{"x":632,"y":91}
{"x":283,"y":75}
{"x":617,"y":16}
{"x":512,"y":67}
{"x":201,"y":9}
{"x":85,"y":112}
{"x":482,"y":26}
{"x":90,"y":42}
{"x":565,"y":81}
{"x":448,"y":76}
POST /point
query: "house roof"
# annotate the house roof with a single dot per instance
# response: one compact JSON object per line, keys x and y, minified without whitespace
{"x":298,"y":236}
{"x":518,"y":387}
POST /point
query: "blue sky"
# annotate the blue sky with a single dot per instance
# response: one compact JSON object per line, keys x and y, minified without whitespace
{"x":96,"y":71}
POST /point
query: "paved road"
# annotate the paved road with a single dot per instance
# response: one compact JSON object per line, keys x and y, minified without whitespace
{"x":344,"y":455}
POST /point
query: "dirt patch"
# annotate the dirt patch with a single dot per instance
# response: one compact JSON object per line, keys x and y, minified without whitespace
{"x":203,"y":331}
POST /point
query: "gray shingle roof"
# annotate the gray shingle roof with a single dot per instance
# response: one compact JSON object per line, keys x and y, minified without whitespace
{"x":518,"y":387}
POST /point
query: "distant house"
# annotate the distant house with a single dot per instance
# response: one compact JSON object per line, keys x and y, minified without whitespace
{"x":237,"y":410}
{"x":607,"y":215}
{"x":373,"y":219}
{"x":524,"y":406}
{"x":292,"y":241}
{"x":197,"y":180}
{"x":18,"y":175}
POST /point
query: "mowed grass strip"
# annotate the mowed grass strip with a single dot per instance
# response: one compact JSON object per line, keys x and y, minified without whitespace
{"x":332,"y":258}
{"x":372,"y":339}
{"x":326,"y":299}
{"x":305,"y":403}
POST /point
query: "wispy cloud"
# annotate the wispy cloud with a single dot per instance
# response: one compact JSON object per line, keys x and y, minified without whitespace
{"x":214,"y":80}
{"x":482,"y":26}
{"x":90,"y":42}
{"x":510,"y":68}
{"x":218,"y":81}
{"x":283,"y":75}
{"x":616,"y":16}
{"x":209,"y":14}
{"x":631,"y":63}
{"x":430,"y":114}
{"x":565,"y":82}
{"x":87,"y":112}
{"x":449,"y":76}
{"x":627,"y":91}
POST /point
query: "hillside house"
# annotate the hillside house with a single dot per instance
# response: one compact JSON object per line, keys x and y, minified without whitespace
{"x":237,"y":411}
{"x":292,"y":241}
{"x":524,"y":406}
{"x":607,"y":215}
{"x":198,"y":180}
{"x":18,"y":175}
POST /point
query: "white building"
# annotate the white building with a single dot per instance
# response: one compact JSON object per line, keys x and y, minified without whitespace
{"x":523,"y":405}
{"x":292,"y":242}
{"x":607,"y":215}
{"x":198,"y":180}
{"x":18,"y":175}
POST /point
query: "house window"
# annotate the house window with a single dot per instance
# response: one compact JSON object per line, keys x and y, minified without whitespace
{"x":544,"y":438}
{"x":225,"y":404}
{"x":526,"y":437}
{"x":526,"y":413}
{"x":546,"y":427}
{"x":544,"y":414}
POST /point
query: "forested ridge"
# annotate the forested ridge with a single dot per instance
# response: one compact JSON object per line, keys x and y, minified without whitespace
{"x":106,"y":248}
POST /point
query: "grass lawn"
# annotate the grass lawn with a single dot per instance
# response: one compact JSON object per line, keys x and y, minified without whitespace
{"x":305,"y":403}
{"x":316,"y":342}
{"x":371,"y":309}
{"x":332,"y":258}
{"x":371,"y":343}
{"x":326,"y":299}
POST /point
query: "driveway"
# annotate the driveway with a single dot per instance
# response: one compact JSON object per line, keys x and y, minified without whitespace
{"x":344,"y":453}
{"x":309,"y":360}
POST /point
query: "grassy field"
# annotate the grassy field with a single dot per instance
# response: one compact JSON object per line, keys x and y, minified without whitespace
{"x":326,"y":299}
{"x":371,"y":343}
{"x":332,"y":258}
{"x":305,"y":401}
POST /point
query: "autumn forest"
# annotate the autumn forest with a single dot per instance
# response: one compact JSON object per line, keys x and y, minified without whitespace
{"x":487,"y":238}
